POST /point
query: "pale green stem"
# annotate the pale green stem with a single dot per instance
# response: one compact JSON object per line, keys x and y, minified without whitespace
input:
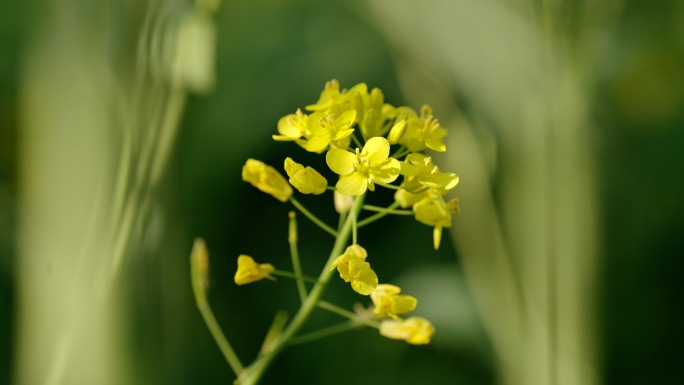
{"x":219,"y":337}
{"x":387,"y":185}
{"x":400,"y":152}
{"x":274,"y":332}
{"x":357,"y":142}
{"x":354,"y":216}
{"x":377,"y":216}
{"x":322,"y":333}
{"x":288,"y":274}
{"x":347,"y":314}
{"x":387,"y":210}
{"x":312,"y":217}
{"x":199,"y":275}
{"x":294,"y":253}
{"x":252,"y":374}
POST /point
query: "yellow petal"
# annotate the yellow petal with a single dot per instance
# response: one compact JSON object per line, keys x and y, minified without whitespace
{"x":266,"y":179}
{"x":397,"y":132}
{"x":292,"y":167}
{"x":249,"y":271}
{"x":376,"y":150}
{"x":340,"y":161}
{"x":317,"y":143}
{"x":309,"y":181}
{"x":353,"y":184}
{"x":387,"y":171}
{"x":364,"y":280}
{"x":415,"y":330}
{"x":346,"y":119}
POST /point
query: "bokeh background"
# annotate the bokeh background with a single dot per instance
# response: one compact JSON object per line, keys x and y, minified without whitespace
{"x":566,"y":125}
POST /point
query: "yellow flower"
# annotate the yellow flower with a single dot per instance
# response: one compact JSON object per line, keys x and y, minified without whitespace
{"x":292,"y":127}
{"x":373,"y":113}
{"x":353,"y":268}
{"x":415,"y":330}
{"x":421,"y":173}
{"x":266,"y":179}
{"x":407,"y":199}
{"x":249,"y":271}
{"x":336,"y":101}
{"x":359,"y":170}
{"x":329,"y":130}
{"x":432,"y":210}
{"x":306,"y":180}
{"x":388,"y":302}
{"x":420,"y":132}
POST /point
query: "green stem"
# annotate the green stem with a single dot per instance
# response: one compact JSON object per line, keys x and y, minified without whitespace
{"x":294,"y":253}
{"x":387,"y":185}
{"x":377,"y":216}
{"x":354,"y":217}
{"x":252,"y":374}
{"x":219,"y":337}
{"x":288,"y":274}
{"x":199,"y":278}
{"x":387,"y":210}
{"x":346,"y":313}
{"x":400,"y":152}
{"x":322,"y":333}
{"x":357,"y":142}
{"x":312,"y":217}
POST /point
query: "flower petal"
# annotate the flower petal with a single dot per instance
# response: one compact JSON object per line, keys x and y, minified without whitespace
{"x":353,"y":184}
{"x":364,"y":280}
{"x":317,"y":143}
{"x":340,"y":161}
{"x":346,"y":119}
{"x":376,"y":150}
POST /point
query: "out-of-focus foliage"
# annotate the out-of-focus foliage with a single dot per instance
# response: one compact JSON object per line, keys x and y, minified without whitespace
{"x":273,"y":56}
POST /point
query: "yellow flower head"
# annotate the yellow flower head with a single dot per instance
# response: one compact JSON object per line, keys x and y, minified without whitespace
{"x":432,"y":210}
{"x":292,"y":127}
{"x":420,"y":132}
{"x":329,"y":130}
{"x":407,"y":199}
{"x":249,"y":271}
{"x":389,"y":303}
{"x":306,"y":180}
{"x":359,"y":170}
{"x":415,"y":330}
{"x":353,"y":268}
{"x":336,"y":101}
{"x":421,"y":173}
{"x":266,"y":179}
{"x":373,"y":113}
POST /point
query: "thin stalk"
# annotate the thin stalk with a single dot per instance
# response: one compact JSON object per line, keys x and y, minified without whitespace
{"x":354,"y":216}
{"x":323,"y":333}
{"x":387,"y":210}
{"x":199,"y":277}
{"x":312,"y":217}
{"x":288,"y":274}
{"x":357,"y":142}
{"x":219,"y":337}
{"x":294,"y":253}
{"x":387,"y":185}
{"x":400,"y":152}
{"x":347,"y":314}
{"x":377,"y":216}
{"x":252,"y":374}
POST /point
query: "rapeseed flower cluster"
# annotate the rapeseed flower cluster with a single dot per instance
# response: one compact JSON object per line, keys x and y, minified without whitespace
{"x":365,"y":144}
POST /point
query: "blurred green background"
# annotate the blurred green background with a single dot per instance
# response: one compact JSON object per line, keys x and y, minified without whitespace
{"x":566,"y":116}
